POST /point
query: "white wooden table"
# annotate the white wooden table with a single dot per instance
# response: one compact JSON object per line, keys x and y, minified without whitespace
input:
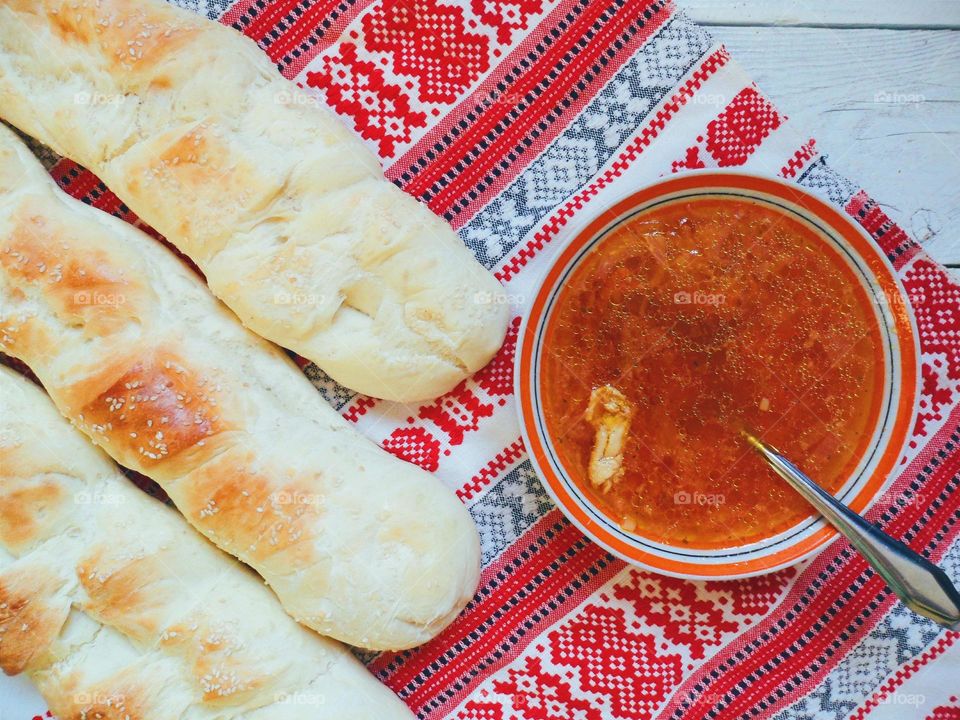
{"x":877,"y":82}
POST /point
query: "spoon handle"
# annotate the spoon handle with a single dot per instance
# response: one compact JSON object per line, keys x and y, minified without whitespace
{"x":922,"y":586}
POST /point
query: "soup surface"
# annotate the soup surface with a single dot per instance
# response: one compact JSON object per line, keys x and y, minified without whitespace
{"x":698,"y":320}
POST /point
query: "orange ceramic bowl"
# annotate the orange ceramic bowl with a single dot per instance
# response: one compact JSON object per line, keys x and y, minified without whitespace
{"x":890,"y":431}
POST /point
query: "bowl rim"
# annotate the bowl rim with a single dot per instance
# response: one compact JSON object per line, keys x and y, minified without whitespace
{"x":583,"y":231}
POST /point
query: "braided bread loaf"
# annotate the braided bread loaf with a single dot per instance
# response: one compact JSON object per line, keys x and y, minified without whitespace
{"x":117,"y":609}
{"x":133,"y":349}
{"x":282,"y":207}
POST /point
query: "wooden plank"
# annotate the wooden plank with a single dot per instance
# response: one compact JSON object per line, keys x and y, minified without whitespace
{"x":884,"y":106}
{"x":926,"y":14}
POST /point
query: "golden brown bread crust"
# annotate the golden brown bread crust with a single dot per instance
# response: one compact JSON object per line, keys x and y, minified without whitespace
{"x":117,"y":595}
{"x":286,"y":212}
{"x":356,"y":543}
{"x":119,"y":610}
{"x":25,"y":512}
{"x":152,"y":408}
{"x":34,"y":253}
{"x":241,"y":502}
{"x":32,"y":611}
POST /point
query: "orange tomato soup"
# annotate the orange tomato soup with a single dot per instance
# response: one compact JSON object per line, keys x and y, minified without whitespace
{"x":713,"y":316}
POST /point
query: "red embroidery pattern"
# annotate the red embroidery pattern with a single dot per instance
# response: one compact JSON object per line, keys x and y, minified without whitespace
{"x":414,"y":445}
{"x":691,"y":160}
{"x":673,"y":604}
{"x":734,"y":134}
{"x":539,"y":695}
{"x":756,"y":595}
{"x":412,"y":60}
{"x":615,"y":662}
{"x":474,"y":710}
{"x":946,"y":712}
{"x":293,"y":32}
{"x":538,"y":92}
{"x":505,"y":16}
{"x":936,"y":306}
{"x":459,"y":412}
{"x":492,"y":470}
{"x":889,"y":236}
{"x":800,"y":160}
{"x":358,"y":88}
{"x":740,"y":129}
{"x":496,"y":379}
{"x":358,"y":408}
{"x":429,"y":41}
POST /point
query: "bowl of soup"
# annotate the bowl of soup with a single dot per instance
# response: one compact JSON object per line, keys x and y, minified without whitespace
{"x":692,"y":312}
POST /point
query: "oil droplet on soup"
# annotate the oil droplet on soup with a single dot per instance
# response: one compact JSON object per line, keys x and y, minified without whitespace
{"x":713,"y":316}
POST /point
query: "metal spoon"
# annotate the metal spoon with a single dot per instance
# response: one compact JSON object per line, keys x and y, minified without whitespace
{"x":921,"y":585}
